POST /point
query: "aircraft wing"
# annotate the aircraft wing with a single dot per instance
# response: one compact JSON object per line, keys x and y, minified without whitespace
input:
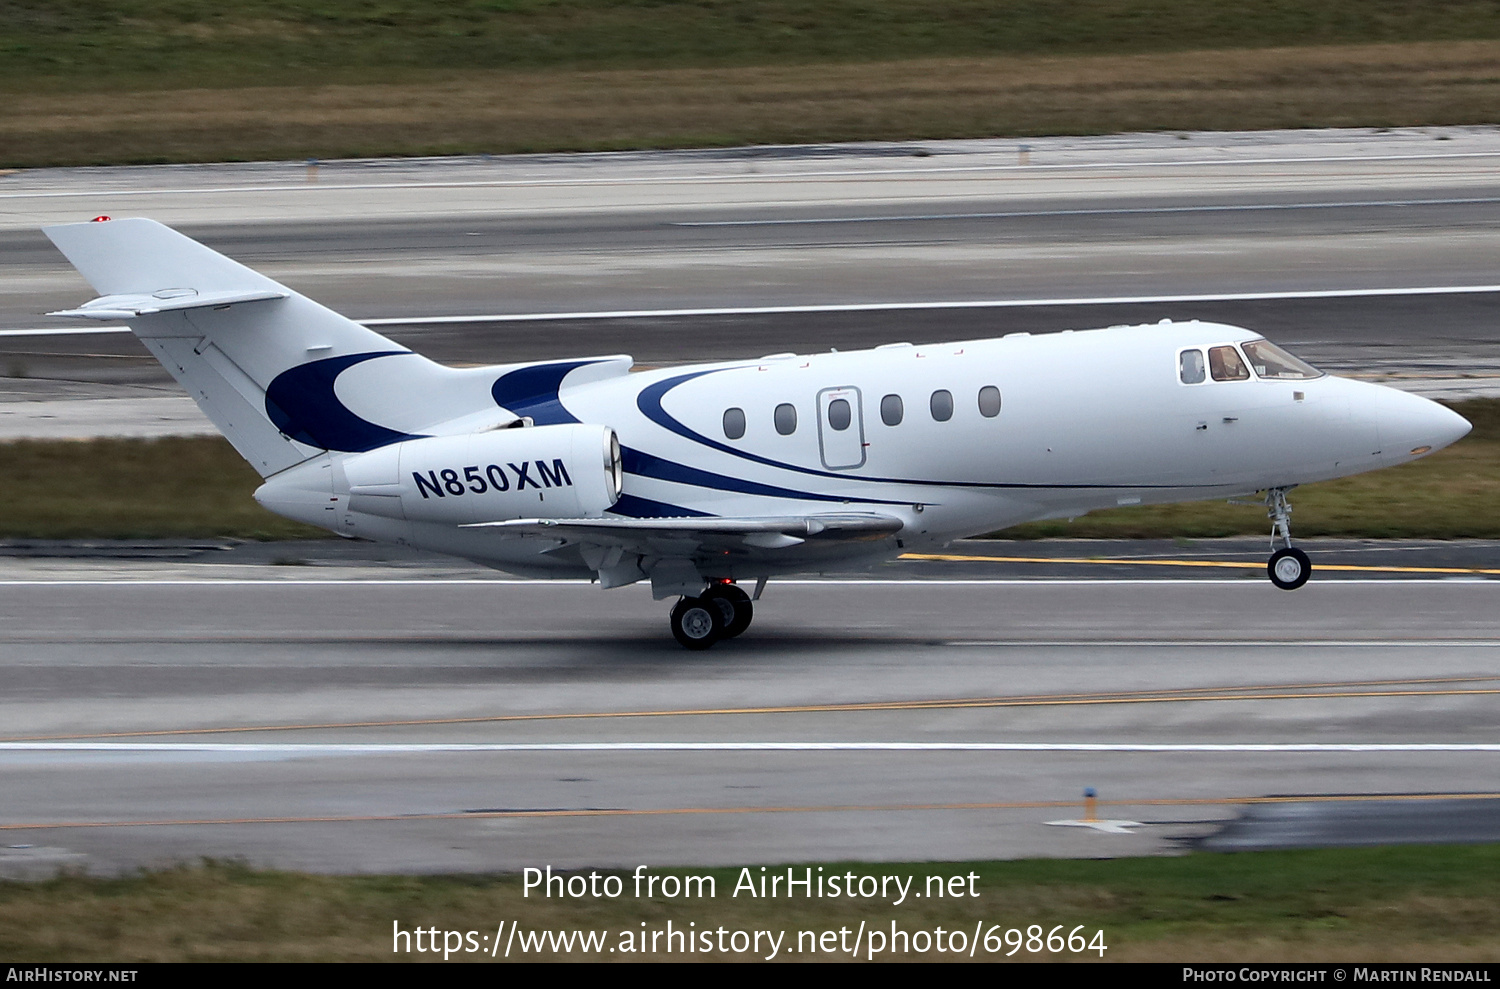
{"x":762,"y":533}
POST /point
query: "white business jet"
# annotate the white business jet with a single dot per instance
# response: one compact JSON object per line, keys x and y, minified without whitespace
{"x":700,"y":478}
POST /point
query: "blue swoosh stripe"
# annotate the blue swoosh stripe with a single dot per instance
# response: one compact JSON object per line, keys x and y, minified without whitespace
{"x":644,"y":508}
{"x":649,"y":465}
{"x":532,"y":391}
{"x":649,"y":402}
{"x":301,"y":403}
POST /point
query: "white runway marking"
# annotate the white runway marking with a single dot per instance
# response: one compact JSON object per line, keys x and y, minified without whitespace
{"x":1237,"y":643}
{"x":1120,"y":211}
{"x":895,"y":170}
{"x":428,"y":748}
{"x":1106,"y":300}
{"x":1256,"y":583}
{"x":1110,"y":300}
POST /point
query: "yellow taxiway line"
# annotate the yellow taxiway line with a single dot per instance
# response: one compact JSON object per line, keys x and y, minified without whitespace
{"x":1246,"y":692}
{"x":1223,"y":564}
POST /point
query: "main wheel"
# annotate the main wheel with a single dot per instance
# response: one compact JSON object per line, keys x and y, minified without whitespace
{"x":697,"y":623}
{"x":735,"y":605}
{"x":1289,"y":568}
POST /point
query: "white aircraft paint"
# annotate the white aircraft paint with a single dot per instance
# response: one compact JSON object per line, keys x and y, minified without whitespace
{"x":698,"y":477}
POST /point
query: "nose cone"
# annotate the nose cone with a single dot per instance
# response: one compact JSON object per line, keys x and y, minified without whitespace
{"x":1410,"y":425}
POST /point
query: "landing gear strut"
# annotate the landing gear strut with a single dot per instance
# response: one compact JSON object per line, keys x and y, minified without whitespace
{"x":722,"y":612}
{"x":1288,"y":567}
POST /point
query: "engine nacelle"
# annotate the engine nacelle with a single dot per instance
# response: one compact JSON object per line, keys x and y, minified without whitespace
{"x":571,"y":471}
{"x":539,"y":472}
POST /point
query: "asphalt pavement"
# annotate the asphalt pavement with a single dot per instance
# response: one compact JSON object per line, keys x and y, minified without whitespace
{"x":339,"y":707}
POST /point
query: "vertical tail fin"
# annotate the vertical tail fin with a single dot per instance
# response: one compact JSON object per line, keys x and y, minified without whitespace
{"x":259,"y":359}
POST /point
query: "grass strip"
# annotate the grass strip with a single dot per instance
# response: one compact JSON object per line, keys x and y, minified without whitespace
{"x":102,"y":44}
{"x":179,"y":487}
{"x":336,"y":114}
{"x":198,"y":487}
{"x":1408,"y":903}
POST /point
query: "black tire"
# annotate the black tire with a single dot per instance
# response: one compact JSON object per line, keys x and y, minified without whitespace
{"x":697,"y":623}
{"x":736,"y":606}
{"x":1289,"y":569}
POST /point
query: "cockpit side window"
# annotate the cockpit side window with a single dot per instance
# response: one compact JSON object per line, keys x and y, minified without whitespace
{"x":1225,"y":365}
{"x":1270,"y":361}
{"x":1190,"y":367}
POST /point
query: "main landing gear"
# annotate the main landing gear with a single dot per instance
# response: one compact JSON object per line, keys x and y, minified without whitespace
{"x":1288,"y":567}
{"x":722,"y":612}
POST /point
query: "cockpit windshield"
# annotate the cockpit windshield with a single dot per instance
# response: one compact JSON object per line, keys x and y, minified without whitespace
{"x":1270,"y":361}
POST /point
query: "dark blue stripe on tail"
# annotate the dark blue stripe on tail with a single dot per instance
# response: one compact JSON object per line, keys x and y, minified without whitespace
{"x":301,"y":403}
{"x":532,"y":391}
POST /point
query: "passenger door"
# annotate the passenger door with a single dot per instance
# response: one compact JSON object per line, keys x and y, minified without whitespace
{"x":841,"y":428}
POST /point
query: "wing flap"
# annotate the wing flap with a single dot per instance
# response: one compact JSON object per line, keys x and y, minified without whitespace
{"x":764,"y":533}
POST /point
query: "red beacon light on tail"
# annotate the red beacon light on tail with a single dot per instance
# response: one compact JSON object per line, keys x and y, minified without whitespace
{"x":100,"y":219}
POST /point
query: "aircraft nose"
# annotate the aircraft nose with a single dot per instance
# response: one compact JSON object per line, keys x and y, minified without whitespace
{"x":1412,"y":425}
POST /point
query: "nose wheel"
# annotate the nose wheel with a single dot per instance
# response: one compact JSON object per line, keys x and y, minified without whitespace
{"x":1288,"y":567}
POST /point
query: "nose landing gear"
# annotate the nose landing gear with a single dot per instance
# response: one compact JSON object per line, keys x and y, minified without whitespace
{"x":1288,"y":567}
{"x":721,"y":612}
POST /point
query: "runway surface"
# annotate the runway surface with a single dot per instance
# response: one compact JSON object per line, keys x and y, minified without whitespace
{"x":1275,"y":215}
{"x":162,"y":703}
{"x":1330,"y":824}
{"x":403,"y":716}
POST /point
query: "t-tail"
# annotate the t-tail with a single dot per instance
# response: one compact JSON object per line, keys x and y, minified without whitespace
{"x":260,"y":360}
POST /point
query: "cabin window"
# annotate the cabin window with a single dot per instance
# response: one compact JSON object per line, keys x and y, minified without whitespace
{"x":1270,"y":361}
{"x":989,"y":401}
{"x":892,"y":410}
{"x":786,"y":419}
{"x":734,"y":423}
{"x":839,"y":414}
{"x":1225,"y":365}
{"x":1190,"y":367}
{"x":942,"y":405}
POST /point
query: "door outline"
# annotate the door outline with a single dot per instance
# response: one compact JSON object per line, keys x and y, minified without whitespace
{"x":848,"y":446}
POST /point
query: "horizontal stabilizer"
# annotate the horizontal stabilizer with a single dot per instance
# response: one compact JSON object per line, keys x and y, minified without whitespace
{"x":140,"y":257}
{"x":165,"y":300}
